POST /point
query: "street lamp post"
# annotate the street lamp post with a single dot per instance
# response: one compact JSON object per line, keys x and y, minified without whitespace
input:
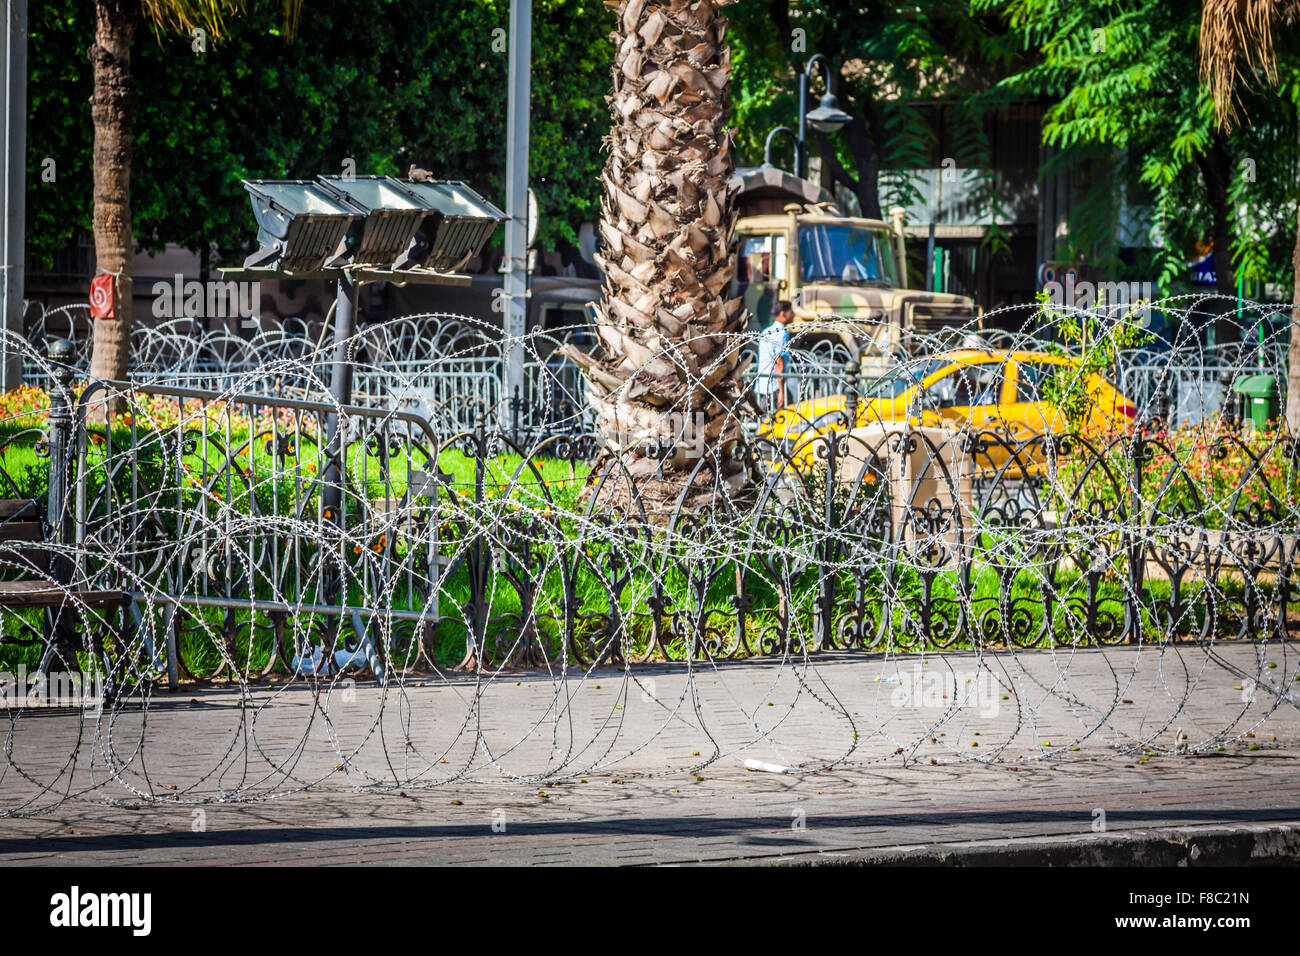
{"x":798,"y":146}
{"x":13,"y":183}
{"x":516,"y":239}
{"x":826,"y":118}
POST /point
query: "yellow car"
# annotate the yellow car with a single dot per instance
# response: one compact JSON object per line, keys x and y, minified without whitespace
{"x":966,"y":389}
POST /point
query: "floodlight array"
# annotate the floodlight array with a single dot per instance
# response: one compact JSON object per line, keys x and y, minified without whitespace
{"x":368,"y":221}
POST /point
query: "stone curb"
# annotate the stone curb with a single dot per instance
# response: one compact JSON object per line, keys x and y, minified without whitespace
{"x":1257,"y":844}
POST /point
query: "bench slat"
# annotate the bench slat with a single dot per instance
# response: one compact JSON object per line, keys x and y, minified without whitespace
{"x":15,"y":595}
{"x":18,"y":508}
{"x":21,"y":531}
{"x":21,"y":552}
{"x":24,"y":559}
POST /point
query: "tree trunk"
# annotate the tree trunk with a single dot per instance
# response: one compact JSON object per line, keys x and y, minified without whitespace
{"x":1293,"y":352}
{"x":865,"y":143}
{"x":111,"y":107}
{"x":1216,"y":169}
{"x":670,"y":372}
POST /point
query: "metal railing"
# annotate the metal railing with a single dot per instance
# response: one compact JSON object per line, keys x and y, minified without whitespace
{"x":204,"y":505}
{"x":451,"y":368}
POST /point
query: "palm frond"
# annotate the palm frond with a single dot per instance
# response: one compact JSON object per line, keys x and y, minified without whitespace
{"x":1236,"y":40}
{"x":210,"y":16}
{"x":187,"y":15}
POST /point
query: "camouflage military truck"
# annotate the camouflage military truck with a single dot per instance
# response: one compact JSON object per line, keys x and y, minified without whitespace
{"x":846,"y":277}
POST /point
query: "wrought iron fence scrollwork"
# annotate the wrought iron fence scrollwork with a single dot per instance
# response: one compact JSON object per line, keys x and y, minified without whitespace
{"x":440,"y":548}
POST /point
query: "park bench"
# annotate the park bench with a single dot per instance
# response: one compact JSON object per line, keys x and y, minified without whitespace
{"x":29,"y":580}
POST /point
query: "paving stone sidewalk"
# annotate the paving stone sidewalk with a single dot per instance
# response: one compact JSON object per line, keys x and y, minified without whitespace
{"x":472,"y":772}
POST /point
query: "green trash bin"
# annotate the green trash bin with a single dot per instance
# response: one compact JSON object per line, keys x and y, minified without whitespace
{"x":1259,"y":394}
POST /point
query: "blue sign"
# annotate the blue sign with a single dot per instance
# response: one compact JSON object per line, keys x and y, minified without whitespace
{"x":1203,"y":269}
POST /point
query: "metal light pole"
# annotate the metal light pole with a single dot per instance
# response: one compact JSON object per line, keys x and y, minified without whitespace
{"x":516,"y":250}
{"x":827,"y":117}
{"x":936,"y":209}
{"x":345,"y":325}
{"x":798,"y":146}
{"x":345,"y":322}
{"x":13,"y":199}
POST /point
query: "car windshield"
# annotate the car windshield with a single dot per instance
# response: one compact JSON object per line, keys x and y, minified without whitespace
{"x":841,"y":252}
{"x":896,"y":382}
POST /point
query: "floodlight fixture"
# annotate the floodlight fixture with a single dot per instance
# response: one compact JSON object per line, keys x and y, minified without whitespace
{"x":391,"y":217}
{"x":457,"y":230}
{"x":300,"y":227}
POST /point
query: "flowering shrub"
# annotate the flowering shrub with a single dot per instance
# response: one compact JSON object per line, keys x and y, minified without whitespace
{"x":28,"y":406}
{"x":160,"y":412}
{"x":1208,"y":474}
{"x":24,"y":407}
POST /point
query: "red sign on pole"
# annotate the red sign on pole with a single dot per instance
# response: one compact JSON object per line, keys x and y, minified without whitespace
{"x":101,"y":297}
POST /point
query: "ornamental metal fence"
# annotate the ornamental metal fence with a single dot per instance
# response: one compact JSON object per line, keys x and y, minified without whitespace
{"x":452,"y":368}
{"x":254,"y":532}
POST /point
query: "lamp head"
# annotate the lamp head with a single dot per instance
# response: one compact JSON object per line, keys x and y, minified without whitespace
{"x":828,"y":117}
{"x":299,"y":225}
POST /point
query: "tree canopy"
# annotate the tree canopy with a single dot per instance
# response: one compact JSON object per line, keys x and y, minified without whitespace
{"x":891,"y":61}
{"x":386,"y":83}
{"x":1128,"y":108}
{"x":378,"y":82}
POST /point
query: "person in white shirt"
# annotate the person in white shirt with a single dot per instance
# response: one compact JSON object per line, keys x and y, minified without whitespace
{"x":774,"y":386}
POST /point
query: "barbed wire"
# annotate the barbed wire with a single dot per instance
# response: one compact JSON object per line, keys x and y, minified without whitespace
{"x":359,"y":584}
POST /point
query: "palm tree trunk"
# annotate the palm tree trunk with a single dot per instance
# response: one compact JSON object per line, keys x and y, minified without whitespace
{"x":670,"y":372}
{"x":111,"y":108}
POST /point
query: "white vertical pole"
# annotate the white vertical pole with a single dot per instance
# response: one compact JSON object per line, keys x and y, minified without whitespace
{"x":516,"y":251}
{"x":13,"y":199}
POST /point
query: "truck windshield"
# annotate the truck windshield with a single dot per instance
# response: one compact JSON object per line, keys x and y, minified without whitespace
{"x":835,"y":252}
